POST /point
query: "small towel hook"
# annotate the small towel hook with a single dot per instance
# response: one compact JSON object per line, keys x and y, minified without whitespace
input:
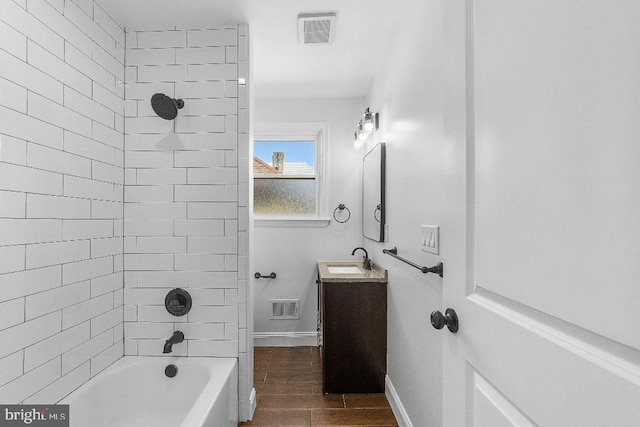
{"x":341,"y":207}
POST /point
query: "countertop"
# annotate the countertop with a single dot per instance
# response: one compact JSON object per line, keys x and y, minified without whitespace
{"x":376,"y":274}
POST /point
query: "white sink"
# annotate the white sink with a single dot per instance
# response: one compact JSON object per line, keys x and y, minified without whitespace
{"x":335,"y":269}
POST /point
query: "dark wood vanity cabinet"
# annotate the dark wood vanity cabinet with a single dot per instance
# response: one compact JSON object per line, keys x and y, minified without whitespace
{"x":352,"y":335}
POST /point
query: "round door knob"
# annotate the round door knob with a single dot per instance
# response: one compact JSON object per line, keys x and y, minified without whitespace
{"x":449,"y":318}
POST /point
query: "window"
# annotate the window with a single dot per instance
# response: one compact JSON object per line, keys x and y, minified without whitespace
{"x":287,"y":166}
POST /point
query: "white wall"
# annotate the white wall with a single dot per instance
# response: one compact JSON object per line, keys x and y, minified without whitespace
{"x":292,"y":252}
{"x":61,"y":176}
{"x":408,"y":94}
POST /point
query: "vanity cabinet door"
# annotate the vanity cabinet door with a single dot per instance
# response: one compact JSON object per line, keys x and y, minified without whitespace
{"x":354,"y":337}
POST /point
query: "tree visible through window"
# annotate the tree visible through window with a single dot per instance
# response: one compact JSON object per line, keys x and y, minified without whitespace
{"x":285,"y":177}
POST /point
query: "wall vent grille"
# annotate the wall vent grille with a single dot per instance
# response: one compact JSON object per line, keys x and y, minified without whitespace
{"x":316,"y":29}
{"x":285,"y":309}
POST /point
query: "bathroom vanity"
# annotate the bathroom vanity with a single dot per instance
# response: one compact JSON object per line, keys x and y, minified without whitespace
{"x":352,"y":327}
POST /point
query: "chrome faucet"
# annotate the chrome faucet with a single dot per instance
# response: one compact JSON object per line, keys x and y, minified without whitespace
{"x":176,"y":338}
{"x":366,"y":262}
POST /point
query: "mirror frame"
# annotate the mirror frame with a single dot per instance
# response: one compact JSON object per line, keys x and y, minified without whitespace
{"x":383,"y":209}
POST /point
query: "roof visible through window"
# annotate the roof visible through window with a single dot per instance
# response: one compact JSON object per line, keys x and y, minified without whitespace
{"x":284,"y":157}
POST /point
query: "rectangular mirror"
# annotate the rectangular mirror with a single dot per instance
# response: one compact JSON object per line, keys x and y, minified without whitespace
{"x":373,"y":193}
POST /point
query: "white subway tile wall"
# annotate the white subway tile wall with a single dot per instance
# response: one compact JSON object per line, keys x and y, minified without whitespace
{"x":181,"y":203}
{"x":61,"y":197}
{"x":75,"y":224}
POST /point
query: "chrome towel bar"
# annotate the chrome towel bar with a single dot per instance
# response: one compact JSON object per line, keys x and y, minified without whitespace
{"x":437,"y":269}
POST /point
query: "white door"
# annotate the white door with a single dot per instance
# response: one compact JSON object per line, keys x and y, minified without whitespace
{"x":542,"y":121}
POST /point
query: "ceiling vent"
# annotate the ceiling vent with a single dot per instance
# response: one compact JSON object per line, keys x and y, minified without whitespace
{"x":316,"y":29}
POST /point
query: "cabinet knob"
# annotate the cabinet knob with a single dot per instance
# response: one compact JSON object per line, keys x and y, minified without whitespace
{"x":449,"y":318}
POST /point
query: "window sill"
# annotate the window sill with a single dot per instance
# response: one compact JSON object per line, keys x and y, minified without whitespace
{"x":291,"y":222}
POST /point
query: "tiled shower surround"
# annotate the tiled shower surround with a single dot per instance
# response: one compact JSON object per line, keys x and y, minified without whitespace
{"x":105,"y":207}
{"x":61,"y":190}
{"x":185,"y":199}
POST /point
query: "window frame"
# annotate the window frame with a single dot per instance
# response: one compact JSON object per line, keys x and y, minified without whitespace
{"x":298,"y":131}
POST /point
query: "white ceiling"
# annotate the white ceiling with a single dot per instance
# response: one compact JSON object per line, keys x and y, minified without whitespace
{"x":281,"y":66}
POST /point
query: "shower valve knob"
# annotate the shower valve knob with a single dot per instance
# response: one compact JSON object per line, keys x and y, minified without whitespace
{"x":448,"y":319}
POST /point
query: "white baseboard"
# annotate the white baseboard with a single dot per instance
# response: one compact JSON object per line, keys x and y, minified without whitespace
{"x":285,"y":339}
{"x":396,"y":405}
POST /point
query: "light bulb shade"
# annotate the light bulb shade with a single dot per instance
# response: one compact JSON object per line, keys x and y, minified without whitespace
{"x":360,"y":132}
{"x":368,"y":127}
{"x":368,"y":121}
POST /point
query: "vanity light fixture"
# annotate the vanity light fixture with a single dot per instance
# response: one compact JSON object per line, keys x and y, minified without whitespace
{"x":367,"y":126}
{"x":370,"y":121}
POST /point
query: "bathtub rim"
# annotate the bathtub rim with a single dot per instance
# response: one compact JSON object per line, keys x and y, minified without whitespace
{"x":204,"y":400}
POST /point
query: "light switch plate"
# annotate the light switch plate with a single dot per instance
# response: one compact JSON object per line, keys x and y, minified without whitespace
{"x":430,"y":239}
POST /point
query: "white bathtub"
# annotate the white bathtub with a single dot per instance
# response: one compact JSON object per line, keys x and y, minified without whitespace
{"x":135,"y":392}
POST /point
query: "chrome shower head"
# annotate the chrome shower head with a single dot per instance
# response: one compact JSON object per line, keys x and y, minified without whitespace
{"x":166,"y":107}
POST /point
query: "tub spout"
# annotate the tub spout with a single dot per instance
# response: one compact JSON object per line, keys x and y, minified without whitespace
{"x":176,"y":338}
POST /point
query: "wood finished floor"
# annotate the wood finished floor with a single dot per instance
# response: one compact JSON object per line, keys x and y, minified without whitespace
{"x":288,"y":383}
